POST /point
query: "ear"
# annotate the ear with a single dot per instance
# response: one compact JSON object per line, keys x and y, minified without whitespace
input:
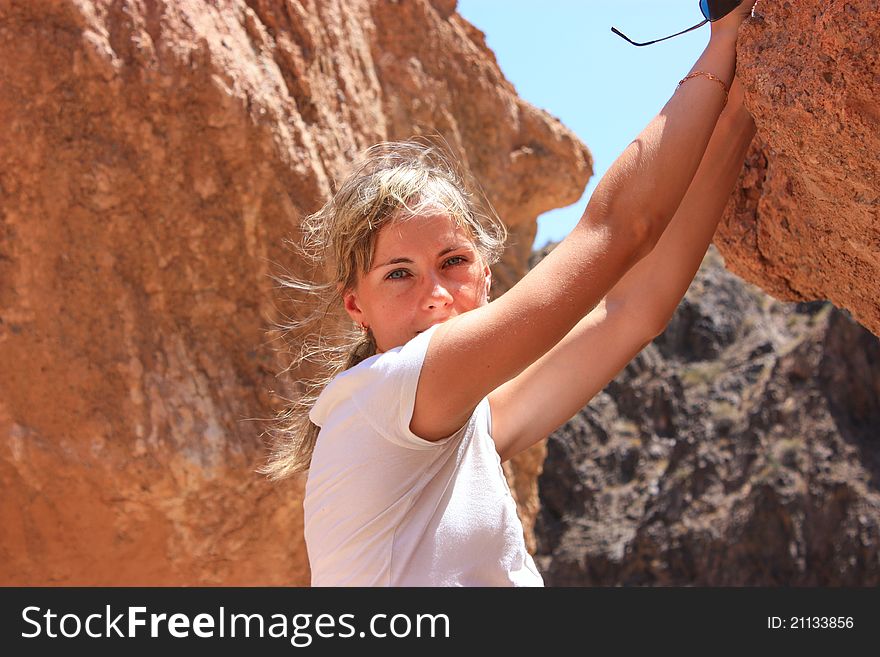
{"x":351,"y":305}
{"x":488,"y":275}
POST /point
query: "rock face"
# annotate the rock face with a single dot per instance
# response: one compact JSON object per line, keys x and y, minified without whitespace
{"x":805,"y":224}
{"x":153,"y":158}
{"x":740,"y":448}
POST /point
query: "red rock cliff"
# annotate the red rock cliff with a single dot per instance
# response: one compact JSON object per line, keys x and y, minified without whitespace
{"x":805,"y":224}
{"x":152,"y":159}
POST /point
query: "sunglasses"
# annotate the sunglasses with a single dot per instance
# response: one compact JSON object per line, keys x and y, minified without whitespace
{"x":712,"y":11}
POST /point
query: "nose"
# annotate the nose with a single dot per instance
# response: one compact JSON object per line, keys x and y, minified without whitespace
{"x":438,"y":294}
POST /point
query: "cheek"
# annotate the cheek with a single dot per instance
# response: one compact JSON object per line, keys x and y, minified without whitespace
{"x":397,"y":296}
{"x":472,"y":282}
{"x":479,"y":276}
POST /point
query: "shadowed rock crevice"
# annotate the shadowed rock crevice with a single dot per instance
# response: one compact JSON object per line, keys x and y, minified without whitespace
{"x":768,"y":476}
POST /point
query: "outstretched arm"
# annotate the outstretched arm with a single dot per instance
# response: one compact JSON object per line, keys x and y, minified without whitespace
{"x":529,"y":407}
{"x":656,"y":284}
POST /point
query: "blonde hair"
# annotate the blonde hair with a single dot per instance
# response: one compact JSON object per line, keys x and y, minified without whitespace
{"x":391,"y":181}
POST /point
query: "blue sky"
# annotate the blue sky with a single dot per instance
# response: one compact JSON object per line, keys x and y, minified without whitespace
{"x":562,"y":57}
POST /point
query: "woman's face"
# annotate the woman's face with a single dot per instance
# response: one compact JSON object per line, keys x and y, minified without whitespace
{"x":424,"y":271}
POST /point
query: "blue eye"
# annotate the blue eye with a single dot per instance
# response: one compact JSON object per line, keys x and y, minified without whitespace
{"x":392,"y":277}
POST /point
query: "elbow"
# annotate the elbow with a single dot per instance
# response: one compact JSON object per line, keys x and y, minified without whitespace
{"x":651,"y":322}
{"x":640,"y":227}
{"x":643,"y":233}
{"x":656,"y":326}
{"x":635,"y":234}
{"x":651,"y":227}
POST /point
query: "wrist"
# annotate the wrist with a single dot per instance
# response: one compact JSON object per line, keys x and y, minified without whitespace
{"x":724,"y":36}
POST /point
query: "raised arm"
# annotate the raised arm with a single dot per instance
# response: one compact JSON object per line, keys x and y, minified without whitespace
{"x":470,"y":355}
{"x":656,"y":285}
{"x":551,"y":390}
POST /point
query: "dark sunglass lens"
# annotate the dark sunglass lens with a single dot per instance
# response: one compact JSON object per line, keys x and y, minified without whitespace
{"x":716,"y":9}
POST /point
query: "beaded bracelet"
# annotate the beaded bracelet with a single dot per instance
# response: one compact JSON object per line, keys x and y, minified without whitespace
{"x":708,"y":75}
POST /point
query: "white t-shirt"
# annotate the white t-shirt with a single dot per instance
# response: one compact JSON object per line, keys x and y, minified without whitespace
{"x":384,"y":507}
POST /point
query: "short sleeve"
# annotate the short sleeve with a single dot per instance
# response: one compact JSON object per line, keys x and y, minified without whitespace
{"x":386,"y":393}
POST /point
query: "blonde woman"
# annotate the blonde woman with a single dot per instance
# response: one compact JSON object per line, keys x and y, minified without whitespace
{"x":404,"y":433}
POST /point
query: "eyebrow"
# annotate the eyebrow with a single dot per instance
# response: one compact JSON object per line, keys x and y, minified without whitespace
{"x":395,"y":261}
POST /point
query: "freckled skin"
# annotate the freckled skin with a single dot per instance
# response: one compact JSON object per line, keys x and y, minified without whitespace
{"x":399,"y":300}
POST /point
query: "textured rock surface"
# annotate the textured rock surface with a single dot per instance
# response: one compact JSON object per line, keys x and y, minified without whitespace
{"x":152,"y":158}
{"x":805,"y":224}
{"x":740,"y":448}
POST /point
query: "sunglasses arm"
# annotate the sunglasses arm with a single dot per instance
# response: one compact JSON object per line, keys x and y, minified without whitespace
{"x":648,"y":43}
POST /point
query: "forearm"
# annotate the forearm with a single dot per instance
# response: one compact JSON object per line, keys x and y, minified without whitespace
{"x":648,"y":181}
{"x":656,"y":284}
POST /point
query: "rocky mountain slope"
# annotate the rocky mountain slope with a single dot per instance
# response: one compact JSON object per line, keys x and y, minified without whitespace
{"x":740,"y":448}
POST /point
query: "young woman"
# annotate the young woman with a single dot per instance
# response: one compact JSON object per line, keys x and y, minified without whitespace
{"x":404,"y":434}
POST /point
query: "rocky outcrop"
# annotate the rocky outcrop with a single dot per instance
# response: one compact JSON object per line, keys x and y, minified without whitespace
{"x":153,"y":158}
{"x":805,"y":224}
{"x":740,"y":448}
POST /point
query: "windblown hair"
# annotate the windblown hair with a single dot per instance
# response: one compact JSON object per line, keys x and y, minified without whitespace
{"x":390,"y":182}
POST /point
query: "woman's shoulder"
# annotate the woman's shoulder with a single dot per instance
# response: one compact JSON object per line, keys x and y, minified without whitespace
{"x":387,"y":375}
